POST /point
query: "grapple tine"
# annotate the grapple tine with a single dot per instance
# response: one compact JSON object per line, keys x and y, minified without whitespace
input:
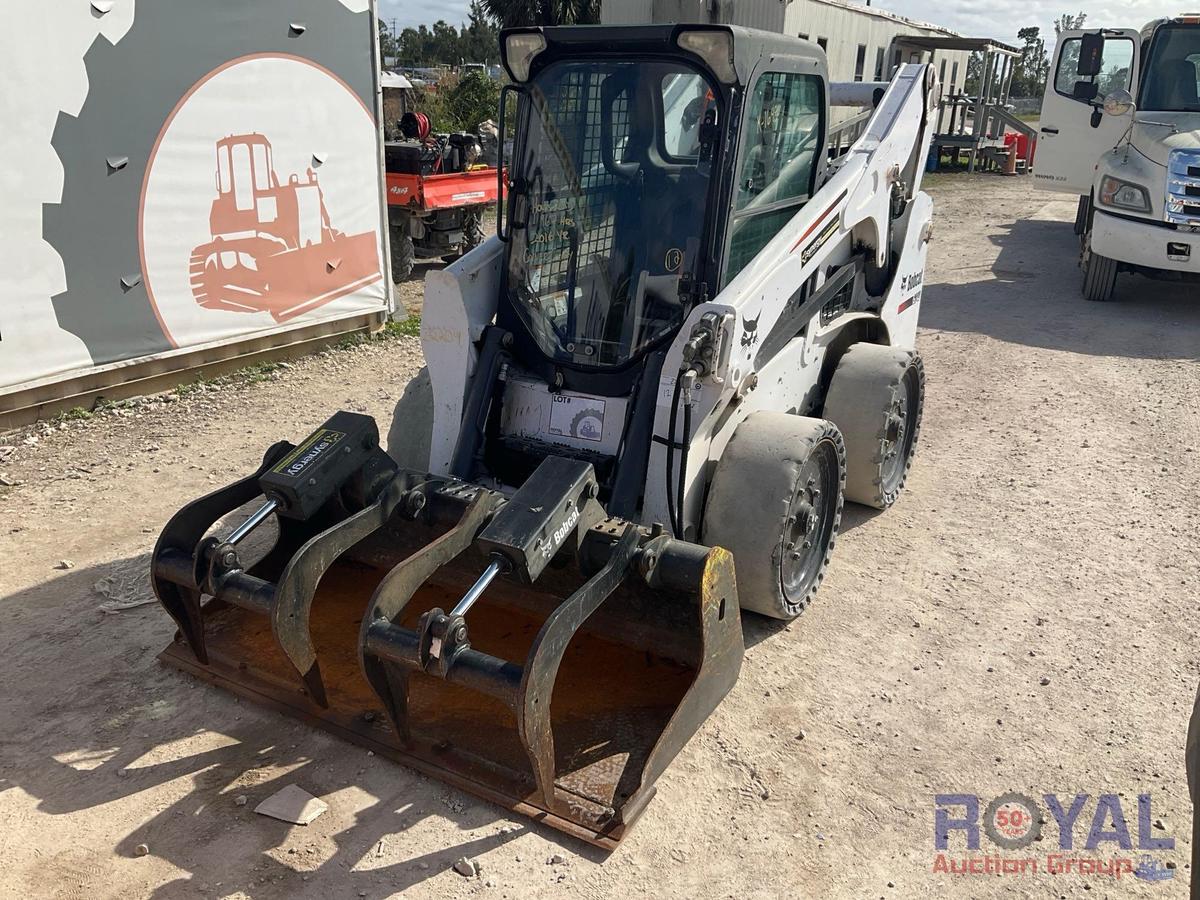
{"x":292,"y":609}
{"x":541,"y":667}
{"x":314,"y":683}
{"x":176,"y":567}
{"x":393,"y":595}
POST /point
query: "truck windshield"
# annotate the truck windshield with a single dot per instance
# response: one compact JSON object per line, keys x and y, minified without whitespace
{"x":608,"y":206}
{"x":1172,"y":75}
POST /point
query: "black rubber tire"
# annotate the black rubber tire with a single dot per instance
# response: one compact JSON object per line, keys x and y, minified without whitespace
{"x":876,"y":399}
{"x":472,"y":233}
{"x":1099,"y":273}
{"x":404,"y":255}
{"x":761,"y":503}
{"x":1082,"y":214}
{"x":411,"y":433}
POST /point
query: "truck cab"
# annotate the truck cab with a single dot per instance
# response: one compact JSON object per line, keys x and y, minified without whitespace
{"x":1120,"y":129}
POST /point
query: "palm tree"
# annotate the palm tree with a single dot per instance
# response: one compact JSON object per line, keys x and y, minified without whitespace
{"x":512,"y":13}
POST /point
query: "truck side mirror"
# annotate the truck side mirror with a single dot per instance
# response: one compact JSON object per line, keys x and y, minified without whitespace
{"x":1118,"y":103}
{"x":1085,"y":91}
{"x":1091,"y":55}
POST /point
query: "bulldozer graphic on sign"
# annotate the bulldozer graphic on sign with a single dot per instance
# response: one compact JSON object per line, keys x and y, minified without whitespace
{"x":273,"y":248}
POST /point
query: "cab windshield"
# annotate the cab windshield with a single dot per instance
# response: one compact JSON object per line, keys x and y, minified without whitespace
{"x":608,"y":207}
{"x":1173,"y":71}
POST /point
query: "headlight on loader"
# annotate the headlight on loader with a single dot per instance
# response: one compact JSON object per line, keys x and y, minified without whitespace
{"x":519,"y":50}
{"x":1123,"y":195}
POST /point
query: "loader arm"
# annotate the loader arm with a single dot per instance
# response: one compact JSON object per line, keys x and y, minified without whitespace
{"x":868,"y":212}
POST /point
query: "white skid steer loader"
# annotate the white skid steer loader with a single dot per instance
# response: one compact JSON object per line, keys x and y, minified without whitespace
{"x":687,"y":293}
{"x":645,"y":401}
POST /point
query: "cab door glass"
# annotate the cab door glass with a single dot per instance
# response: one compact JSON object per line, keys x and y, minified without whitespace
{"x":783,"y":133}
{"x":685,"y":98}
{"x":1116,"y":65}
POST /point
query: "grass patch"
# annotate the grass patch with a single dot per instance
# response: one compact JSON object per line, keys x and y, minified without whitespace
{"x":265,"y":371}
{"x":410,"y":327}
{"x":191,"y":387}
{"x":257,"y":372}
{"x":74,"y":414}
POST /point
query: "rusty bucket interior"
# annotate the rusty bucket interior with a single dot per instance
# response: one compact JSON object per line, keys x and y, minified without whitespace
{"x":636,"y":680}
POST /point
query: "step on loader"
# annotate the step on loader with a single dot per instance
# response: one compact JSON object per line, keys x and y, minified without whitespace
{"x":646,"y":400}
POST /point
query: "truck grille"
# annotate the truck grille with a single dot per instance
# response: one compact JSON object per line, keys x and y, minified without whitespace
{"x":1183,"y":188}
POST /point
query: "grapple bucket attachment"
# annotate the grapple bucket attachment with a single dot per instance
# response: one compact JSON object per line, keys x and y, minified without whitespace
{"x":528,"y":649}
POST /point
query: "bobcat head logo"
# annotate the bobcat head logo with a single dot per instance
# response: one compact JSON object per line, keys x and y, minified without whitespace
{"x":750,"y":330}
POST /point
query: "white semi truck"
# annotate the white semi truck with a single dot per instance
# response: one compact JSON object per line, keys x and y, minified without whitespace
{"x":1120,"y":128}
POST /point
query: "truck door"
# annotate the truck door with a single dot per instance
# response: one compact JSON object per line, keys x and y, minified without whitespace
{"x":1074,"y":132}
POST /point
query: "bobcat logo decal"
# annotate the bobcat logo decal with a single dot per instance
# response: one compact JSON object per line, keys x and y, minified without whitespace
{"x":750,"y":330}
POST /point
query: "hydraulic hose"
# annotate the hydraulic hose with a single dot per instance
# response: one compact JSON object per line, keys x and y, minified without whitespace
{"x":671,"y":456}
{"x":683,"y":463}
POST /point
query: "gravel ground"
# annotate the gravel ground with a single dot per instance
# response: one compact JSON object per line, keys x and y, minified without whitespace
{"x":1023,"y":620}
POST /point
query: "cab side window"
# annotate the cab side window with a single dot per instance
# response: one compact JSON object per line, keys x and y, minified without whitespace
{"x":1116,"y":67}
{"x":781,"y":139}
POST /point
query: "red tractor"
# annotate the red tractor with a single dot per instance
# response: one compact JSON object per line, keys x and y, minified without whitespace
{"x":273,"y":248}
{"x":437,"y":194}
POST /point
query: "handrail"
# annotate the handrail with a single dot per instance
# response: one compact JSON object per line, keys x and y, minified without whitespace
{"x":1017,"y":125}
{"x":843,"y":135}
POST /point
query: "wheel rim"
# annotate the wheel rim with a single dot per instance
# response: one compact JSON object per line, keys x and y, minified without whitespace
{"x":900,"y":432}
{"x":810,"y":522}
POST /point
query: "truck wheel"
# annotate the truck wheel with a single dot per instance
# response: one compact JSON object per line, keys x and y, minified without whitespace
{"x":1082,"y":213}
{"x":876,"y":399}
{"x":472,"y":233}
{"x":403,"y":256}
{"x":411,"y":433}
{"x":775,"y":502}
{"x":1099,"y":273}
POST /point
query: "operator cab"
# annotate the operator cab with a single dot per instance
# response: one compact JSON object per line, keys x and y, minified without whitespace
{"x":625,"y":155}
{"x":621,"y":155}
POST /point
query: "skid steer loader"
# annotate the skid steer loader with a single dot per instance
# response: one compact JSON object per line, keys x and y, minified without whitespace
{"x":645,"y":401}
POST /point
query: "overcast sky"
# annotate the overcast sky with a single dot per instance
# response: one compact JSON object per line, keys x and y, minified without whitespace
{"x":977,"y":18}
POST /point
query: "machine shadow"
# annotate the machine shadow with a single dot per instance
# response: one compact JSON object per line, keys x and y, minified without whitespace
{"x":103,"y":722}
{"x":1033,"y":298}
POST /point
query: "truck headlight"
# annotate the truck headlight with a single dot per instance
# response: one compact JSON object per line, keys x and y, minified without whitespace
{"x":1123,"y":195}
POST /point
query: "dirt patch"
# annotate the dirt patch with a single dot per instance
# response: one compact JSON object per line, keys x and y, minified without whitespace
{"x":1024,"y":619}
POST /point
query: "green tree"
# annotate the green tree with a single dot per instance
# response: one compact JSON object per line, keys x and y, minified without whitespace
{"x":1032,"y":67}
{"x":445,"y":43}
{"x":389,"y":47}
{"x":475,"y":98}
{"x":1068,"y":22}
{"x":477,"y":41}
{"x":480,"y":36}
{"x":459,"y":103}
{"x":511,"y":13}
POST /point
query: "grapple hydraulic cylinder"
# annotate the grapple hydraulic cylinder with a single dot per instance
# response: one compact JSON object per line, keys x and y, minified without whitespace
{"x":326,"y":493}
